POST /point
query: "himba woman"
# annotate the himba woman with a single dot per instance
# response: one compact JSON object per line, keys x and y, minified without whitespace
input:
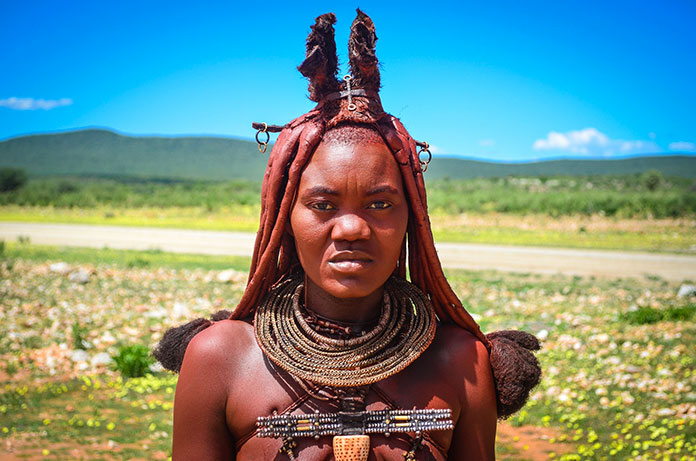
{"x":331,"y":353}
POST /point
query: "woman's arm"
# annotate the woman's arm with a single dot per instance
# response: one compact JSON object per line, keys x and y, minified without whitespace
{"x":200,"y":427}
{"x":474,"y":432}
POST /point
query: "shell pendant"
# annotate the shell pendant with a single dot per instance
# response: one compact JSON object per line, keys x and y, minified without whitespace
{"x":351,"y":447}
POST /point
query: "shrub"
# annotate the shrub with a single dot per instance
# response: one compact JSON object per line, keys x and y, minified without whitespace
{"x":133,"y":361}
{"x":652,"y":179}
{"x":137,"y":262}
{"x":643,"y":315}
{"x":12,"y":178}
{"x":79,"y":334}
{"x":680,"y":313}
{"x":647,"y":315}
{"x":66,"y":187}
{"x":11,"y":368}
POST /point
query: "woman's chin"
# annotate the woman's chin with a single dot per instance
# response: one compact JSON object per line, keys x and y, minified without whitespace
{"x":351,"y":287}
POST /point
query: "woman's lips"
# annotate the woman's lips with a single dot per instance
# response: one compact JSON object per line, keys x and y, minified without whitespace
{"x":350,"y":265}
{"x":350,"y":261}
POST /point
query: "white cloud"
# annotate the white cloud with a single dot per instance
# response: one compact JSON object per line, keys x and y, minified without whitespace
{"x":590,"y":141}
{"x":435,"y":149}
{"x":487,"y":143}
{"x":34,"y":104}
{"x":627,"y":147}
{"x":682,"y":146}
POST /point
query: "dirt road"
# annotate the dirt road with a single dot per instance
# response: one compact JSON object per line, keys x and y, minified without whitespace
{"x":453,"y":255}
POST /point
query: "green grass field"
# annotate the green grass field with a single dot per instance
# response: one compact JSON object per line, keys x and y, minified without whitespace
{"x":646,"y":212}
{"x":648,"y":195}
{"x":598,"y":232}
{"x":618,"y":354}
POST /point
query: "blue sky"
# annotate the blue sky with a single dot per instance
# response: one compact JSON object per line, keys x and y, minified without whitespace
{"x":492,"y":80}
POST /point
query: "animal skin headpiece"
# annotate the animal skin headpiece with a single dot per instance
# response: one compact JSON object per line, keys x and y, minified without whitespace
{"x":355,"y":101}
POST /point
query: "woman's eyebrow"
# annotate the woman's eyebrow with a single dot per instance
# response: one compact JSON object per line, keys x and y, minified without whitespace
{"x":324,"y":190}
{"x":320,"y":190}
{"x":382,"y":189}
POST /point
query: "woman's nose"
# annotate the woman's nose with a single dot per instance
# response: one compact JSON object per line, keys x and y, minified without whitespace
{"x":350,"y":226}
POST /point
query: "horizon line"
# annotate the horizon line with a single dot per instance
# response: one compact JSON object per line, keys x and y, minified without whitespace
{"x":440,"y":156}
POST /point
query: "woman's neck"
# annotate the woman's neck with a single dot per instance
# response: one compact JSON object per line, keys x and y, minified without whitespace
{"x":349,"y":310}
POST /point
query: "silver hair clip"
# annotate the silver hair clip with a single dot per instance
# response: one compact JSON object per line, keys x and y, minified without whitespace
{"x":347,"y":79}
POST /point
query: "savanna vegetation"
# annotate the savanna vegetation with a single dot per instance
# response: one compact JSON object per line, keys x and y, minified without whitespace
{"x":76,"y":380}
{"x":646,"y":195}
{"x":645,"y":211}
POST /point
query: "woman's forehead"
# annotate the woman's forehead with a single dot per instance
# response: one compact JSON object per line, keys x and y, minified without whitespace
{"x":362,"y":162}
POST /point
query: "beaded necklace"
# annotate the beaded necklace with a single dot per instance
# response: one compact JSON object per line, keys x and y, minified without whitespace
{"x":405,"y":329}
{"x":327,"y":353}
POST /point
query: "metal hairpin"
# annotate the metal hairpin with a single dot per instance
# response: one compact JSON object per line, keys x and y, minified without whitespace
{"x":347,"y":79}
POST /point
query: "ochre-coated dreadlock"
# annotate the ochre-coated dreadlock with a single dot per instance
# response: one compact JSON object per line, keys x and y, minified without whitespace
{"x":515,"y":368}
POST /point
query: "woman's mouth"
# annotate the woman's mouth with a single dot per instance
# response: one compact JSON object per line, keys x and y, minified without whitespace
{"x":350,"y":262}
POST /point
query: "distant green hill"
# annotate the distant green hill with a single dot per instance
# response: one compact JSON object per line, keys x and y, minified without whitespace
{"x":454,"y":168}
{"x":101,"y":152}
{"x":105,"y":153}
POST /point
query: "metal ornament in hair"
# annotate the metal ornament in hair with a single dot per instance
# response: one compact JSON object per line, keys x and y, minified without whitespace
{"x":351,"y":105}
{"x":266,"y":129}
{"x":263,"y":145}
{"x":425,"y":147}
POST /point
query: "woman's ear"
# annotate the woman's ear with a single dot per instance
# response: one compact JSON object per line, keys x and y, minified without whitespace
{"x":288,"y":228}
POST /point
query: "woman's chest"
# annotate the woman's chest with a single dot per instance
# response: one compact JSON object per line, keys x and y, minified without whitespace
{"x":315,"y":414}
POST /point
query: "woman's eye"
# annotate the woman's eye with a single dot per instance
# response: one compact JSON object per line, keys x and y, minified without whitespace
{"x":379,"y":205}
{"x":322,"y":206}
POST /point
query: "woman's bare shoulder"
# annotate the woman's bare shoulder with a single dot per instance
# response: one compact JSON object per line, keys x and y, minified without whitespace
{"x":469,"y":372}
{"x":220,"y":343}
{"x":208,"y":371}
{"x":459,"y":346}
{"x":464,"y":360}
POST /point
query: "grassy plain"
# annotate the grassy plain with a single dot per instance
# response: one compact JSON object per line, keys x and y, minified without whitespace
{"x":649,"y":195}
{"x":618,"y":357}
{"x":645,"y":212}
{"x":677,"y":235}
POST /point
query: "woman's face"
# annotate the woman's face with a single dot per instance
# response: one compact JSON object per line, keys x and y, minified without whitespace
{"x":349,"y":218}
